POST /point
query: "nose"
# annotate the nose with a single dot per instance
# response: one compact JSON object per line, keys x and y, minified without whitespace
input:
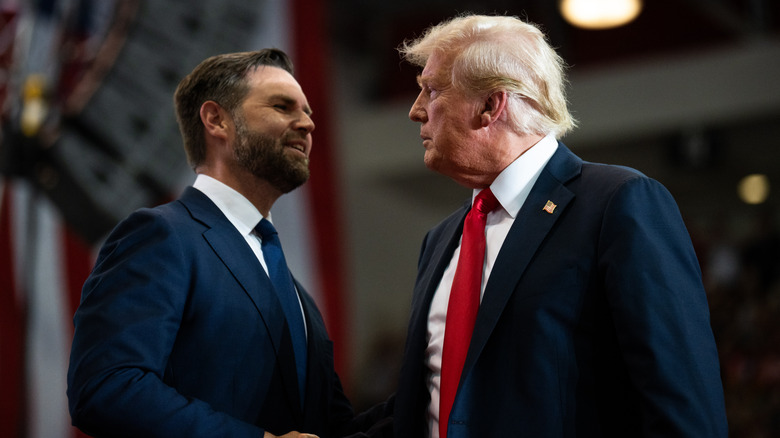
{"x":417,"y":113}
{"x":305,"y":124}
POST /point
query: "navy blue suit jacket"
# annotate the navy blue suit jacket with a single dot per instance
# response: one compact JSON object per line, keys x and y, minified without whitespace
{"x":594,"y":321}
{"x":179,"y":334}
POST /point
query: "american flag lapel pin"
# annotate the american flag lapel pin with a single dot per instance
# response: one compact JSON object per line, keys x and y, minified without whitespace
{"x":549,"y":207}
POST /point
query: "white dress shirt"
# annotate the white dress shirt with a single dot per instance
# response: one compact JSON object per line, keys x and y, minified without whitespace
{"x":511,"y":188}
{"x":241,"y":213}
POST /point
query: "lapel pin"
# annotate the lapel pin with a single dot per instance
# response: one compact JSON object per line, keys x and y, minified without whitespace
{"x":549,"y":207}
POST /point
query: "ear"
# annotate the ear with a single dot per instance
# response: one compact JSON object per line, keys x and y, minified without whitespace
{"x":215,"y":119}
{"x":493,"y":108}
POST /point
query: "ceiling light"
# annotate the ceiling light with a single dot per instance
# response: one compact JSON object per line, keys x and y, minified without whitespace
{"x":600,"y":14}
{"x":753,"y":189}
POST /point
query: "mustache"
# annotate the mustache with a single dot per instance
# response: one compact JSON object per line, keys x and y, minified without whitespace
{"x":293,"y":136}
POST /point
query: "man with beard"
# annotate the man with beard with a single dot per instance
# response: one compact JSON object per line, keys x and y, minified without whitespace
{"x":191,"y":324}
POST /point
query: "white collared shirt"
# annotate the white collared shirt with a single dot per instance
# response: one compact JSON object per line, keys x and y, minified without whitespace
{"x":238,"y":210}
{"x":511,"y":188}
{"x":241,"y":213}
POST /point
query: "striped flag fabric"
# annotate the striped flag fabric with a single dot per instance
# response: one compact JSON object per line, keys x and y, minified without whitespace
{"x":44,"y":266}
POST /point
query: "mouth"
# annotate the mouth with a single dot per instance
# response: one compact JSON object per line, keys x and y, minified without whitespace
{"x":299,"y":146}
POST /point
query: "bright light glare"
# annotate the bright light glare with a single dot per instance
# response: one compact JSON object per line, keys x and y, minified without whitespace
{"x":753,"y":189}
{"x":600,"y":14}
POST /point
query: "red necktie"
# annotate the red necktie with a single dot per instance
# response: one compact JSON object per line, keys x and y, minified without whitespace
{"x":464,"y":302}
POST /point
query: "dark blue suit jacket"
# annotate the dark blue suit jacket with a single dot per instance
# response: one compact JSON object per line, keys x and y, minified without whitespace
{"x":594,"y":322}
{"x":179,"y":334}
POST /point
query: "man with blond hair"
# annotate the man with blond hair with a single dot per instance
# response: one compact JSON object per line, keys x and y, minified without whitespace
{"x":568,"y":301}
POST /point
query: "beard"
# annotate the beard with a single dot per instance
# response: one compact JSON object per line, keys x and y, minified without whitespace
{"x":266,"y":158}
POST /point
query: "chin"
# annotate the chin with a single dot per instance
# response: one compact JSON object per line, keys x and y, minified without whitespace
{"x":431,"y":162}
{"x":437,"y":164}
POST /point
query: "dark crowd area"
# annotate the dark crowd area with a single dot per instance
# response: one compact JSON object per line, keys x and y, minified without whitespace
{"x":742,"y":279}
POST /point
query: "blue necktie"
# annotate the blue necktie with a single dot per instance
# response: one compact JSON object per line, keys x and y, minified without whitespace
{"x":285,"y":290}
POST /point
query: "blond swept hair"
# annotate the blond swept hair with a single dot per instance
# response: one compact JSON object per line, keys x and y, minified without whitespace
{"x":499,"y":53}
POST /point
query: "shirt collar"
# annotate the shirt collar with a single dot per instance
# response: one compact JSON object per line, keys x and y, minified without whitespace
{"x":239,"y":211}
{"x":514,"y":183}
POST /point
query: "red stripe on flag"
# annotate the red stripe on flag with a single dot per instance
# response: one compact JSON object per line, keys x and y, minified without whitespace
{"x":310,"y":46}
{"x":8,"y":20}
{"x":11,"y":330}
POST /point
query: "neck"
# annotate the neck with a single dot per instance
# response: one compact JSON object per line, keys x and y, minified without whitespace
{"x":504,"y":150}
{"x":258,"y":191}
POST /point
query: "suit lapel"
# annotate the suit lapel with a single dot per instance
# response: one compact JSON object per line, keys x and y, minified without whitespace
{"x":529,"y":230}
{"x":432,"y":268}
{"x":241,"y":261}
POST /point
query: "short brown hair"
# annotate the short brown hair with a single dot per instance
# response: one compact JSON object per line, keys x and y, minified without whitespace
{"x":222,"y":79}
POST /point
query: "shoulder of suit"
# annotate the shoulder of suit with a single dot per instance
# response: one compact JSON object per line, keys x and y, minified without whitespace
{"x":611,"y":172}
{"x":174,"y":216}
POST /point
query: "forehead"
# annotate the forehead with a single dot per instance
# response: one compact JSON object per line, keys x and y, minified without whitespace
{"x":437,"y":68}
{"x":266,"y":82}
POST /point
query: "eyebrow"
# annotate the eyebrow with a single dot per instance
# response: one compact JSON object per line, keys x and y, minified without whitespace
{"x":428,"y":80}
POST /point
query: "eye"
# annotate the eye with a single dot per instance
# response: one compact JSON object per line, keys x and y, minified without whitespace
{"x":430,"y":90}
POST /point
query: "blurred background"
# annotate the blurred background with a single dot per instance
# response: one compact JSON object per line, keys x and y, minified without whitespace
{"x":687,"y":92}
